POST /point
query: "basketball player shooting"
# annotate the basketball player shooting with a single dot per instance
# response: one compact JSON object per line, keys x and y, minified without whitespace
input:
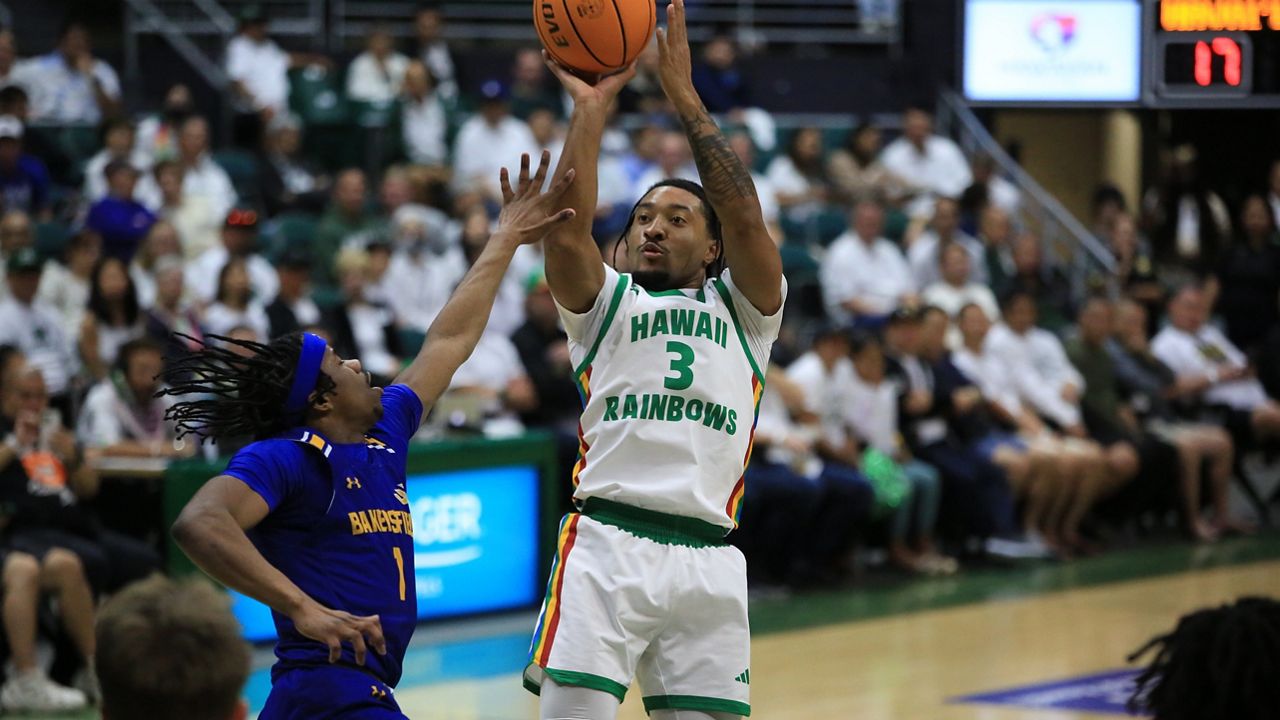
{"x":313,"y":518}
{"x":669,"y":360}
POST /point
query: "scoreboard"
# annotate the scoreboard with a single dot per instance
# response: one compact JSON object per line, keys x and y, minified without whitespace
{"x":1218,"y":54}
{"x":1212,"y":53}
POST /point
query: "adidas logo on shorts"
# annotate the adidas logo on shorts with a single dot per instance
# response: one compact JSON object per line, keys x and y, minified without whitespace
{"x":745,"y":677}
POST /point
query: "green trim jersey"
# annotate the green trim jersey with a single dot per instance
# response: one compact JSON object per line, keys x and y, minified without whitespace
{"x":671,"y":382}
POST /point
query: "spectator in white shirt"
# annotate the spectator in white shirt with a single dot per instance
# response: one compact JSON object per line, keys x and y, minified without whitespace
{"x":239,"y":238}
{"x":112,"y":319}
{"x":122,"y":417}
{"x":864,"y":276}
{"x":234,"y":305}
{"x":930,"y":165}
{"x":257,"y":66}
{"x":944,"y":230}
{"x":35,"y":328}
{"x":799,"y":176}
{"x":548,"y":134}
{"x":1046,"y":379}
{"x":675,"y":160}
{"x":768,"y":194}
{"x":955,"y":290}
{"x":203,"y":180}
{"x":425,"y":267}
{"x":999,"y":192}
{"x":118,"y":144}
{"x":64,"y":285}
{"x":1063,"y":471}
{"x":158,"y":132}
{"x":487,"y":142}
{"x":424,"y":120}
{"x":69,"y":85}
{"x":433,"y":51}
{"x":1207,"y":363}
{"x":377,"y":74}
{"x":496,"y":378}
{"x":873,"y":413}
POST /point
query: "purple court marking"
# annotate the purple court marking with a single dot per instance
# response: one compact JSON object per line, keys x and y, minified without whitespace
{"x":1099,"y":693}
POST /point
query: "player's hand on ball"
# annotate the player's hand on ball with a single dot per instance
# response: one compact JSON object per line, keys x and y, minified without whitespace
{"x":600,"y":90}
{"x":336,"y":628}
{"x":675,"y":64}
{"x":528,"y":213}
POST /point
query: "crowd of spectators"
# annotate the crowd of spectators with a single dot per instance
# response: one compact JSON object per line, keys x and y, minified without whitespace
{"x":950,"y":389}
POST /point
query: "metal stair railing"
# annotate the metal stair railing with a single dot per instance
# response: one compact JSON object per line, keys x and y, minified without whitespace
{"x":1065,"y":239}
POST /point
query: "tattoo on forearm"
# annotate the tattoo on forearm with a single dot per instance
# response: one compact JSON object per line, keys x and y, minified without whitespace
{"x":723,"y":174}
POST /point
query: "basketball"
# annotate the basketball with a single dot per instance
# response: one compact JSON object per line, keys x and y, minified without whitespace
{"x":594,"y":36}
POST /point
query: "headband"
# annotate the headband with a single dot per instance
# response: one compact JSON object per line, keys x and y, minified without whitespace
{"x":306,"y":373}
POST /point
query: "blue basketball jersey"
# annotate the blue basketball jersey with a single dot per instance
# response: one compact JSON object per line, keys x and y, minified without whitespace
{"x":340,"y":528}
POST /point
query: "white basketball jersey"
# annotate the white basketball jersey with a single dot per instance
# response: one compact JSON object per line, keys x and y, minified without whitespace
{"x":671,"y":382}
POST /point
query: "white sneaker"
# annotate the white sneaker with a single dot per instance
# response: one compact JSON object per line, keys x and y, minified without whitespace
{"x":33,"y":691}
{"x":86,"y":681}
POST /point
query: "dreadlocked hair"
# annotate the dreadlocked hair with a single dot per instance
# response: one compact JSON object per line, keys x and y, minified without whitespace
{"x":234,"y":394}
{"x":1218,"y":662}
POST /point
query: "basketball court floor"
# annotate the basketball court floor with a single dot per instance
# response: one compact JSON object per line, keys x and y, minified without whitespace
{"x":898,"y":650}
{"x":1034,"y":642}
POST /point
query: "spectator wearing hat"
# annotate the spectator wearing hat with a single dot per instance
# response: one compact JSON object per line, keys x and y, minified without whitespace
{"x":69,"y":85}
{"x":120,"y":219}
{"x":34,"y":327}
{"x":293,"y":309}
{"x":118,"y":143}
{"x":347,"y":221}
{"x":865,"y":276}
{"x":377,"y":74}
{"x":288,"y":180}
{"x":24,"y":179}
{"x":487,"y":142}
{"x":239,"y":240}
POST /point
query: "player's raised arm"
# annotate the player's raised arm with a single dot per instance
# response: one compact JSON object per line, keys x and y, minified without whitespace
{"x":749,"y":251}
{"x":575,"y":272}
{"x":527,"y":215}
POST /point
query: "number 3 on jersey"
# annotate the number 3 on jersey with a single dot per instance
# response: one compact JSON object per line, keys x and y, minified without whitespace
{"x":680,"y":365}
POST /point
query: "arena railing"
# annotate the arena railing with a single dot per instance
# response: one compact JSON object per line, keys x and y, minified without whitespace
{"x":1064,"y":239}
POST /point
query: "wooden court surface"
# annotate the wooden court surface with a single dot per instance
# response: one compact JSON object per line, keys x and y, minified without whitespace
{"x":905,"y":667}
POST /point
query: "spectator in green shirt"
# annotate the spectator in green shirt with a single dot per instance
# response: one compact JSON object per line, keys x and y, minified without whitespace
{"x":346,"y":219}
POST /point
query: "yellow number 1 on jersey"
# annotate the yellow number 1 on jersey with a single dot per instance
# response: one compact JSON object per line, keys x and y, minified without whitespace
{"x":399,"y":564}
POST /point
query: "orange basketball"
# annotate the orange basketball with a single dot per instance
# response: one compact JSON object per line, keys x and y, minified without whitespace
{"x":594,"y":36}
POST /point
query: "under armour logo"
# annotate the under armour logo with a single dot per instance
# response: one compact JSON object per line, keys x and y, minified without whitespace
{"x":378,"y":692}
{"x":353,"y":483}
